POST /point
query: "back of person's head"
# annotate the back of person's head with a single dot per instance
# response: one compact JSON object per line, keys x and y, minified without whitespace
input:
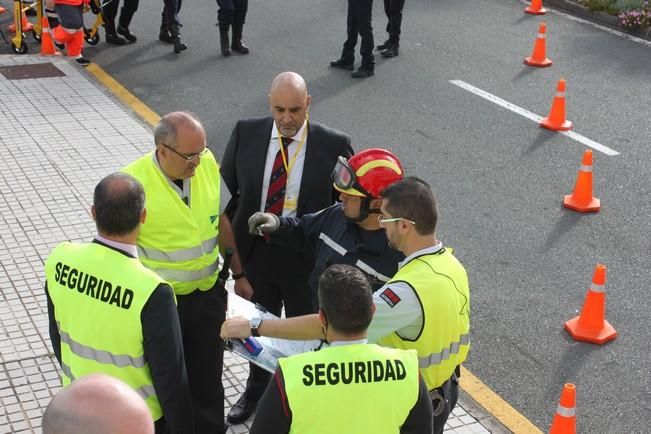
{"x":412,"y":199}
{"x":345,"y":297}
{"x":97,"y":404}
{"x":118,"y":202}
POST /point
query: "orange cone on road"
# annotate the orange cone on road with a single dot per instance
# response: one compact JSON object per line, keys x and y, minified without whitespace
{"x":556,"y":120}
{"x":47,"y":43}
{"x":26,"y":25}
{"x":538,"y":56}
{"x":581,"y":199}
{"x":536,"y":8}
{"x":565,"y":418}
{"x":591,"y":325}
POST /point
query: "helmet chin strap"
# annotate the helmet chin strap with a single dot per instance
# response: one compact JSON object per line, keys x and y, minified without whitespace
{"x":364,"y":210}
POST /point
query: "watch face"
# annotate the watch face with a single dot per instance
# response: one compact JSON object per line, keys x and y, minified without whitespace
{"x":255,"y":322}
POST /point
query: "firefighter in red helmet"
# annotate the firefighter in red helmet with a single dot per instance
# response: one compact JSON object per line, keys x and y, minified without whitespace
{"x":347,"y":232}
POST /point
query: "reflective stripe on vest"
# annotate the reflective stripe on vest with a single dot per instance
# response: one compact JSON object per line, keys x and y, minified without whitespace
{"x":146,"y":391}
{"x":178,"y":255}
{"x":101,"y":356}
{"x":437,"y":358}
{"x":359,"y":264}
{"x":187,"y":276}
{"x":67,"y":371}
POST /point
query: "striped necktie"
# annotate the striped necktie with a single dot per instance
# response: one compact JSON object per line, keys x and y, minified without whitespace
{"x":278,"y":181}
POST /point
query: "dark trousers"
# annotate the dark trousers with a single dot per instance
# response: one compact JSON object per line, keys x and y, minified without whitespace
{"x":171,"y":9}
{"x":279,"y":276}
{"x":393,"y":9}
{"x":232,"y":12}
{"x":110,"y":11}
{"x":359,"y":23}
{"x":201,"y":314}
{"x":444,"y":399}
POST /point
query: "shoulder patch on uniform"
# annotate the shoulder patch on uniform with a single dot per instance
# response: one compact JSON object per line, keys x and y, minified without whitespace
{"x":390,"y":297}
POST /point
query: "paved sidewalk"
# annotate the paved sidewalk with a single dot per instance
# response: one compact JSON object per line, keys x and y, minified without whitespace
{"x":59,"y":135}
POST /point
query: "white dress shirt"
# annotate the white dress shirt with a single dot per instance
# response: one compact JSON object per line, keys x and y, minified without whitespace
{"x":294,"y":176}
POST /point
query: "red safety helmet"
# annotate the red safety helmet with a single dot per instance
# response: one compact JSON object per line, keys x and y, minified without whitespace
{"x":367,"y":173}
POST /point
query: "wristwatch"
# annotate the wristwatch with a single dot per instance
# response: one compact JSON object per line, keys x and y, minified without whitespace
{"x":254,"y":323}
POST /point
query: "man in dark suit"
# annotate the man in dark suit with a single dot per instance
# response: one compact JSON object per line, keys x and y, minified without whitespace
{"x":280,"y":164}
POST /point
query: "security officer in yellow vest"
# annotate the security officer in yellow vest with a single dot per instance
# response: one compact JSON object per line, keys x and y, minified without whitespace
{"x":109,"y":314}
{"x":349,"y":386}
{"x":180,"y":241}
{"x":425,"y":306}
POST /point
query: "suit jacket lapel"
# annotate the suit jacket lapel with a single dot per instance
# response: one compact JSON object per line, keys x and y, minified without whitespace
{"x":311,"y":161}
{"x":259,"y":147}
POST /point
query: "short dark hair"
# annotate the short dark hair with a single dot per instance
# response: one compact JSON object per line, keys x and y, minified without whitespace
{"x":346,"y":299}
{"x":119,"y":200}
{"x":413,"y":199}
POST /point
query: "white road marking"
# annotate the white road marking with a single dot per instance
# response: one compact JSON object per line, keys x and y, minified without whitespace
{"x":532,"y":116}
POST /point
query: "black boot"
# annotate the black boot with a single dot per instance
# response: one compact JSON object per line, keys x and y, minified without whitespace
{"x":124,"y":31}
{"x":164,"y":34}
{"x":392,"y":50}
{"x":363,"y":71}
{"x":111,"y":36}
{"x":386,"y":44}
{"x":179,"y":45}
{"x":223,"y":40}
{"x":237,"y":44}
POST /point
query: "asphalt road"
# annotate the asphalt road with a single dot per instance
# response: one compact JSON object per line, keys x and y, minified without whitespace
{"x":499,"y":178}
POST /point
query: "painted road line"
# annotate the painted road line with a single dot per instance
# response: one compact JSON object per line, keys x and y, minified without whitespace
{"x":532,"y":116}
{"x":615,"y":32}
{"x":493,"y":404}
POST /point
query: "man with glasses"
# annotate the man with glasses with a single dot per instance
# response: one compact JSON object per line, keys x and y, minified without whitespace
{"x":181,"y":240}
{"x":347,"y":232}
{"x":425,"y":306}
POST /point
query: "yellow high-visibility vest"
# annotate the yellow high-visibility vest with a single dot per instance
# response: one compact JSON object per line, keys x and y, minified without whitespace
{"x":177,"y":241}
{"x":357,"y":388}
{"x":441,"y":284}
{"x":98,"y":296}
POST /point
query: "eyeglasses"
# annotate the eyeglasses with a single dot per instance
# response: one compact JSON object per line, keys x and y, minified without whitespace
{"x":383,"y":220}
{"x":188,"y":157}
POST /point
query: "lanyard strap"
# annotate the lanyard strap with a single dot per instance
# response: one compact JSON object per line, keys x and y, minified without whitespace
{"x":288,"y":168}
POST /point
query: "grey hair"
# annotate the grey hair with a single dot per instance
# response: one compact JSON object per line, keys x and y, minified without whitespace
{"x":165,"y":132}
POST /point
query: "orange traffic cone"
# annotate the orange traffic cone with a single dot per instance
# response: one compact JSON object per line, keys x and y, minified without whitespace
{"x":47,"y":43}
{"x":565,"y":418}
{"x":536,"y":8}
{"x":591,"y":325}
{"x":581,"y":199}
{"x":2,"y":10}
{"x":539,"y":56}
{"x":556,"y":120}
{"x":26,"y":25}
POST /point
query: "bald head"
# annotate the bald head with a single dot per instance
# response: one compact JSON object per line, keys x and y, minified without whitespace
{"x":167,"y":129}
{"x":289,"y":102}
{"x":97,"y":404}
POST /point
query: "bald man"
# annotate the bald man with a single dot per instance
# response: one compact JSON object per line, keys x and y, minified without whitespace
{"x":279,"y":164}
{"x":97,"y":404}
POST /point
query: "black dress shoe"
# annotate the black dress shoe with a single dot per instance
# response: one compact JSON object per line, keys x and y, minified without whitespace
{"x":342,"y":64}
{"x":241,"y":411}
{"x":124,"y":31}
{"x":164,"y":35}
{"x":362,"y":72}
{"x":386,"y":44}
{"x":115,"y":39}
{"x":391,"y":51}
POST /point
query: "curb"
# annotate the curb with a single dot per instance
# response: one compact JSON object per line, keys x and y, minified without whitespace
{"x":602,"y":18}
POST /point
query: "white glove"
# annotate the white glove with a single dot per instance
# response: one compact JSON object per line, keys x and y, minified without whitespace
{"x":263,"y":222}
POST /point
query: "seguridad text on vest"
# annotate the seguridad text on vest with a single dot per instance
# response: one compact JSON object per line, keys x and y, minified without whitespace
{"x":99,"y":289}
{"x":320,"y":374}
